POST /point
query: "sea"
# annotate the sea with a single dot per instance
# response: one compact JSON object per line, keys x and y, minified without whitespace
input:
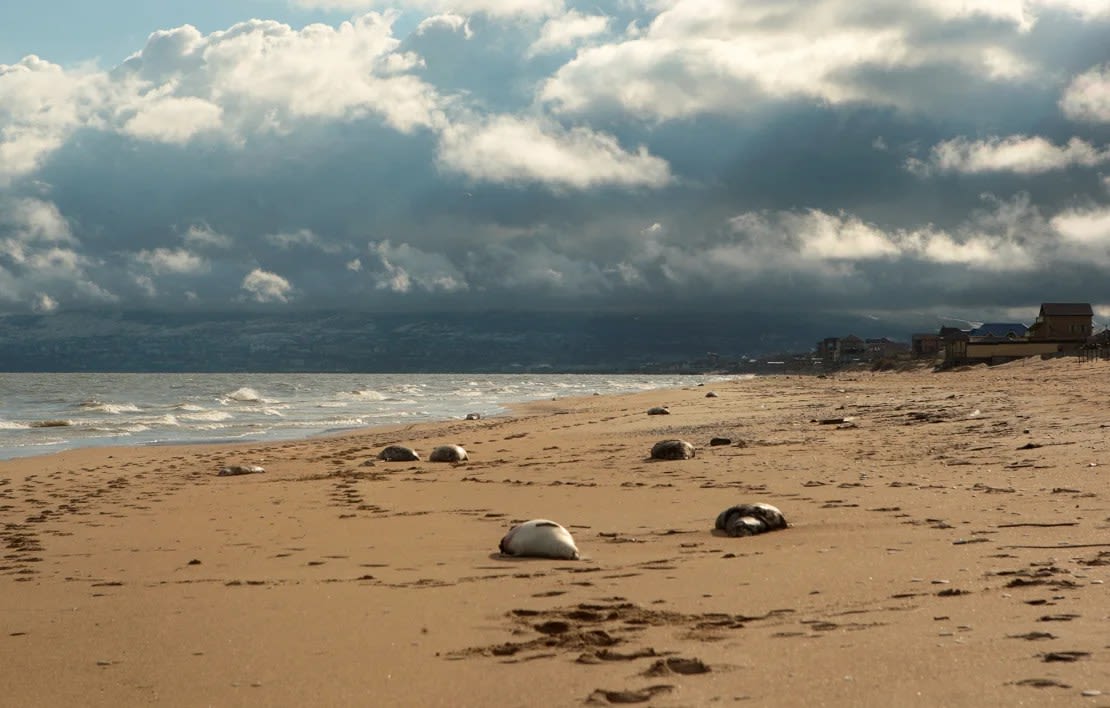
{"x":41,"y":413}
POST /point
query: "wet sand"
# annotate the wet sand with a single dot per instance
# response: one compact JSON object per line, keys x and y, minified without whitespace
{"x":949,"y":544}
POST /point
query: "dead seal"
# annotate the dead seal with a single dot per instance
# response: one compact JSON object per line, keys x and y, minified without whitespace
{"x":672,"y":450}
{"x":750,"y":519}
{"x":659,"y":410}
{"x":398,"y":453}
{"x":236,"y":470}
{"x":539,"y":538}
{"x":448,"y":453}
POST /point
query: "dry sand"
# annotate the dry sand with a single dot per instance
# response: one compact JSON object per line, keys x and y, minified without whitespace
{"x":949,"y":545}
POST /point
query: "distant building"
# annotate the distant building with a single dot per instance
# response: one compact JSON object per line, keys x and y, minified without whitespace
{"x":1063,"y":322}
{"x":924,"y":345}
{"x":999,"y":330}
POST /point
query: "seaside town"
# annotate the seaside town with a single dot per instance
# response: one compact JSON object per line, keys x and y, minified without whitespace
{"x":1060,"y":329}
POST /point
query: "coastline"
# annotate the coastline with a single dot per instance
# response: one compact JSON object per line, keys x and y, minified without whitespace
{"x":925,"y":540}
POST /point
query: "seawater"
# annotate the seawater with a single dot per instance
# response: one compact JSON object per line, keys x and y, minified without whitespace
{"x":44,"y":413}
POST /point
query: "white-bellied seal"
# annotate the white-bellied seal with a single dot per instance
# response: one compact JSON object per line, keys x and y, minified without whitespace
{"x":539,"y":538}
{"x":473,"y":416}
{"x":448,"y":453}
{"x":750,"y":519}
{"x":398,"y":453}
{"x":659,"y":410}
{"x":672,"y":450}
{"x":235,"y":470}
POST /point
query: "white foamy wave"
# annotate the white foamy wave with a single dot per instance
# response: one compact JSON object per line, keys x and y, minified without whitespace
{"x":136,"y":428}
{"x":210,"y":416}
{"x":188,"y":407}
{"x":366,"y":394}
{"x":113,"y":408}
{"x":273,"y":412}
{"x":245,"y":394}
{"x":333,"y":404}
{"x":12,"y":425}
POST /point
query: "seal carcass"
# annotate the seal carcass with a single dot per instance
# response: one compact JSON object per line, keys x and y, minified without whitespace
{"x":398,"y":453}
{"x":750,"y":519}
{"x":448,"y":453}
{"x":539,"y":538}
{"x":672,"y":450}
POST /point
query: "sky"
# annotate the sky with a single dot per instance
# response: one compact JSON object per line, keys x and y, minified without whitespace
{"x":897,"y":159}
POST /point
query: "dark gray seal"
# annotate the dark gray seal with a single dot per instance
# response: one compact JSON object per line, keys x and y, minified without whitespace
{"x":473,"y":416}
{"x":448,"y":453}
{"x":711,"y":394}
{"x":750,"y":519}
{"x":659,"y":410}
{"x":398,"y":453}
{"x":672,"y":450}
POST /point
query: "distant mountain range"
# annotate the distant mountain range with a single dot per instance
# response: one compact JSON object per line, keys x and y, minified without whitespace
{"x":412,"y":342}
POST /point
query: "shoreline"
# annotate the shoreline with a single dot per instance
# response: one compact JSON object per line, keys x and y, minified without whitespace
{"x":931,"y":534}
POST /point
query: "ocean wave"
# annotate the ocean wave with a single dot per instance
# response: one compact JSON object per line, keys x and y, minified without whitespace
{"x":210,"y":416}
{"x":365,"y":394}
{"x":12,"y":425}
{"x":187,"y":407}
{"x":245,"y":394}
{"x":113,"y":408}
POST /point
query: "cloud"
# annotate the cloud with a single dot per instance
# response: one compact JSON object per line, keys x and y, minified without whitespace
{"x":164,"y":260}
{"x":493,"y":8}
{"x":265,"y":286}
{"x":1087,"y":97}
{"x":628,"y":155}
{"x":44,"y":304}
{"x":174,"y":120}
{"x":40,"y":106}
{"x":1089,"y":227}
{"x":404,"y":268}
{"x":565,"y":32}
{"x":509,"y":149}
{"x":303,"y":238}
{"x":716,"y":57}
{"x":203,"y":236}
{"x":1018,"y":154}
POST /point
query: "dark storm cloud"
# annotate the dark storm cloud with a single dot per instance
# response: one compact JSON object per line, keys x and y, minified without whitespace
{"x":920,"y":158}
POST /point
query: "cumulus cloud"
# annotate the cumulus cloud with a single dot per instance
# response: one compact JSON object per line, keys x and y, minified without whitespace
{"x":1087,"y":97}
{"x":493,"y":8}
{"x":40,"y":106}
{"x":164,"y":260}
{"x":303,"y":238}
{"x":203,"y":236}
{"x":44,"y":304}
{"x":1018,"y":154}
{"x":174,"y":120}
{"x":634,"y":154}
{"x":404,"y":268}
{"x":264,"y":286}
{"x":510,"y":149}
{"x":1088,"y":227}
{"x":715,"y":57}
{"x":567,"y":31}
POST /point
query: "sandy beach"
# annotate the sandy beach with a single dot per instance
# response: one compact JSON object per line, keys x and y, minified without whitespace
{"x":949,"y":545}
